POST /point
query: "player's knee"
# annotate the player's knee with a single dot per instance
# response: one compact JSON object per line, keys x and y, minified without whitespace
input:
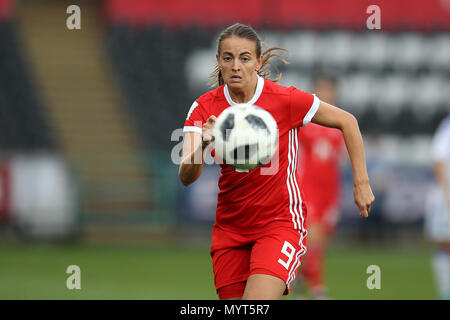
{"x":262,"y":296}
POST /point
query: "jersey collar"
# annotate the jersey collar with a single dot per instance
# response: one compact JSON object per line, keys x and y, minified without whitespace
{"x":259,"y":89}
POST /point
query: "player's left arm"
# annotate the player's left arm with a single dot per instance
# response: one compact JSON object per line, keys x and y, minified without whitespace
{"x":333,"y":117}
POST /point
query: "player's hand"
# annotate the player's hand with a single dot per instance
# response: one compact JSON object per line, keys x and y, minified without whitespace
{"x":364,"y":198}
{"x":207,"y":135}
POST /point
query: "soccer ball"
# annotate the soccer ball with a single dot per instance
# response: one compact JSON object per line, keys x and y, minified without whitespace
{"x":245,"y":136}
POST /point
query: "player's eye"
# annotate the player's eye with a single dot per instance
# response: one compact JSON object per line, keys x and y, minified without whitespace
{"x":245,"y":59}
{"x":227,"y":59}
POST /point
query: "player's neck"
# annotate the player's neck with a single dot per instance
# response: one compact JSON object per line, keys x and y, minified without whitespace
{"x":244,"y":95}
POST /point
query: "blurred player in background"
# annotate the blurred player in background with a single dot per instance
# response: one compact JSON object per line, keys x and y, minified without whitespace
{"x":321,"y":151}
{"x":437,"y":218}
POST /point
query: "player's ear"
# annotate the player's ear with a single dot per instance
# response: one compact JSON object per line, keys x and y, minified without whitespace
{"x":260,"y":61}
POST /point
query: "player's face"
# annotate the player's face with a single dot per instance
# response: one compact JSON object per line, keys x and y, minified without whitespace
{"x":238,"y":62}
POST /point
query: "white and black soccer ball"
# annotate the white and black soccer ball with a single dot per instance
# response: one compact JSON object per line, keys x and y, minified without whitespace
{"x":245,"y":136}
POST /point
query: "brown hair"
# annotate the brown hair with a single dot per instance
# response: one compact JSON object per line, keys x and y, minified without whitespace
{"x":247,"y":32}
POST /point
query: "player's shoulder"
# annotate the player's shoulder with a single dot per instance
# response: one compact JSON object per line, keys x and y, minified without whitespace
{"x":276,"y":88}
{"x":271,"y":87}
{"x":210,"y":96}
{"x":204,"y":102}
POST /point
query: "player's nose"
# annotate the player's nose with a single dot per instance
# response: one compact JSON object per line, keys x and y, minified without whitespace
{"x":236,"y":66}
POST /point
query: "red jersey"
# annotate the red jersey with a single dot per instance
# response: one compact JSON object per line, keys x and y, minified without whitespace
{"x":320,"y":150}
{"x":249,"y":201}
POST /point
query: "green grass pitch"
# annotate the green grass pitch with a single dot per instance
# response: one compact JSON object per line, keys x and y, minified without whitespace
{"x":171,"y":272}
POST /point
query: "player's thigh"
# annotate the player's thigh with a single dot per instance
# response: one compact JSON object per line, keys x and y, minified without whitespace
{"x":231,"y":270}
{"x":277,"y":254}
{"x":230,"y":254}
{"x":264,"y":287}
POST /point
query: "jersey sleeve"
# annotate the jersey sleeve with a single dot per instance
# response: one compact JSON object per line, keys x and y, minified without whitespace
{"x":303,"y":107}
{"x":195,"y":118}
{"x":440,"y":148}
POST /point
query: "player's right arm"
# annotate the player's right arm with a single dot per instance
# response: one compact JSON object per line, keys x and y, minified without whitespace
{"x":195,"y":148}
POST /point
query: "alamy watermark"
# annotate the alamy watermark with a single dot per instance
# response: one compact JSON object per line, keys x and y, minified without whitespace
{"x":73,"y":21}
{"x":74,"y":280}
{"x":374,"y":20}
{"x":238,"y":155}
{"x":374,"y":280}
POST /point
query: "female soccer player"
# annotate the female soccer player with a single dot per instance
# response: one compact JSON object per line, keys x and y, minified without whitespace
{"x":260,"y":234}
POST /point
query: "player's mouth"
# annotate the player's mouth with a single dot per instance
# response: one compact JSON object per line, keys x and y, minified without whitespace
{"x":235,"y":78}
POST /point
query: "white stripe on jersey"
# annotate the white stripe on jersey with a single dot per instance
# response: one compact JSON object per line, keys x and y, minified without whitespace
{"x":294,"y":177}
{"x":296,"y":206}
{"x":258,"y":92}
{"x":292,"y":204}
{"x":192,"y":129}
{"x":291,"y":181}
{"x":288,"y":182}
{"x":312,"y":111}
{"x":193,"y":106}
{"x":297,"y":263}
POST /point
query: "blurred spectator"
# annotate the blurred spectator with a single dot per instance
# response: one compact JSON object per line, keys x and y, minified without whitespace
{"x":437,"y":219}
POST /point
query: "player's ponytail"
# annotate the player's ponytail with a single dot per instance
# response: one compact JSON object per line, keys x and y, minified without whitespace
{"x":247,"y":32}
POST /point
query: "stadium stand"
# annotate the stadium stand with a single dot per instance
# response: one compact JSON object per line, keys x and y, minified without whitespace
{"x":22,"y":120}
{"x":396,"y":81}
{"x":150,"y":64}
{"x":376,"y":81}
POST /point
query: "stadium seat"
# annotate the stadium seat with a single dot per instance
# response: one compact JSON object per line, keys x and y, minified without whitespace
{"x":336,"y":50}
{"x":439,"y":53}
{"x":391,"y":95}
{"x":431,"y":91}
{"x":372,"y":50}
{"x":297,"y":79}
{"x":355,"y":91}
{"x":199,"y":64}
{"x":304,"y":48}
{"x":407,"y":51}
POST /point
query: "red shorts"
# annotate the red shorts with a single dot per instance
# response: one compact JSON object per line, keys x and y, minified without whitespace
{"x":236,"y":256}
